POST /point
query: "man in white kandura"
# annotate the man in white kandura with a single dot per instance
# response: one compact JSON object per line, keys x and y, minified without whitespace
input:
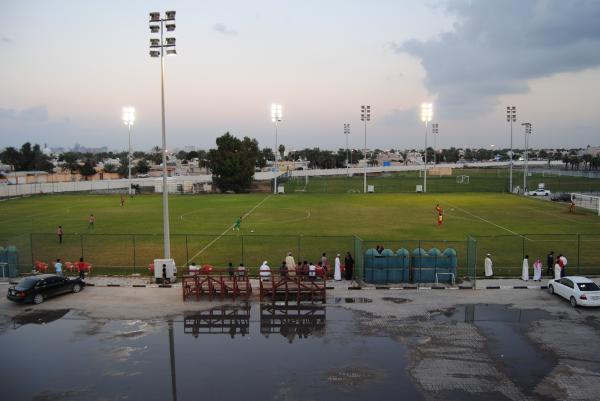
{"x":291,"y":264}
{"x":337,"y":274}
{"x":489,"y":273}
{"x":265,"y":272}
{"x":525,"y":271}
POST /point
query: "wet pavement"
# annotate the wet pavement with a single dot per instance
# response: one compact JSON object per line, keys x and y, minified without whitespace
{"x":267,"y":351}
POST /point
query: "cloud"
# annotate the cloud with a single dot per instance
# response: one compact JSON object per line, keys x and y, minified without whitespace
{"x":222,"y":28}
{"x":496,"y":47}
{"x":37,"y":114}
{"x":6,"y":39}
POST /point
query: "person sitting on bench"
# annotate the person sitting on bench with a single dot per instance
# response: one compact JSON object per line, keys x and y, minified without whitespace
{"x":265,"y":272}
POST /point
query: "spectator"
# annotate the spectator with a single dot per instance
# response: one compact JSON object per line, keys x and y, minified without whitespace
{"x":562,"y":260}
{"x":312,"y":271}
{"x":291,"y":263}
{"x":488,"y":265}
{"x":241,"y":271}
{"x":81,"y":268}
{"x":283,"y":269}
{"x":265,"y":272}
{"x":537,"y":270}
{"x":550,"y":265}
{"x":58,"y":267}
{"x":348,"y":266}
{"x":324,"y":261}
{"x":230,"y":270}
{"x":337,"y":275}
{"x":525,"y":269}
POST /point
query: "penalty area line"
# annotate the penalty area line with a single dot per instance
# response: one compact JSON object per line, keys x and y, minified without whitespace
{"x":487,"y":221}
{"x":201,"y":251}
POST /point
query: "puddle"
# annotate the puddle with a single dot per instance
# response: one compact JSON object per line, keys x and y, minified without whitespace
{"x":304,"y":351}
{"x":357,"y":300}
{"x":504,"y":328}
{"x":39,"y":316}
{"x":396,"y":300}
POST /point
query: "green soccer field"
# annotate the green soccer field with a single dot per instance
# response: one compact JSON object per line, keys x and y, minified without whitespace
{"x":126,"y":239}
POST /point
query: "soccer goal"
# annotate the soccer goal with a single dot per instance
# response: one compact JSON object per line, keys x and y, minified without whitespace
{"x":590,"y":202}
{"x":462,"y":179}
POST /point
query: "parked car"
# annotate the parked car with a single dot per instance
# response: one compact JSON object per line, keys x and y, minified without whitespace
{"x":561,"y":197}
{"x":38,"y":288}
{"x":578,"y":290}
{"x":539,"y":192}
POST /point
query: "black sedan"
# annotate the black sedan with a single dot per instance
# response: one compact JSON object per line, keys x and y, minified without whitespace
{"x":37,"y":288}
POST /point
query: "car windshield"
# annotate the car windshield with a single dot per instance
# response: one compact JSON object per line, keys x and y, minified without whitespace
{"x":588,"y":287}
{"x":27,"y":283}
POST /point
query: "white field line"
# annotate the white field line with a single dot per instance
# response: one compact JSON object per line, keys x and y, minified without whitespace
{"x":557,"y":215}
{"x":487,"y":221}
{"x":201,"y":251}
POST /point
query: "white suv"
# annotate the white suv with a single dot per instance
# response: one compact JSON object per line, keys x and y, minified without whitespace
{"x":539,"y":192}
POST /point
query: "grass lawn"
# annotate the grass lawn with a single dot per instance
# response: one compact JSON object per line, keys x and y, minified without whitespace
{"x":126,"y":239}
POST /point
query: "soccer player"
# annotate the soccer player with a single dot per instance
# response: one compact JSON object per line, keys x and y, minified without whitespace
{"x":122,"y":201}
{"x":571,"y":207}
{"x":91,"y":221}
{"x":440,"y":213}
{"x":238,"y":223}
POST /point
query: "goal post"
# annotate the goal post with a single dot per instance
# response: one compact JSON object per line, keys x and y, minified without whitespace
{"x":462,"y":179}
{"x":590,"y":202}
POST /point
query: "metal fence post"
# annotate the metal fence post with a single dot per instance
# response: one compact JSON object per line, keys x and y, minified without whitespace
{"x":187,"y":256}
{"x":578,"y":251}
{"x":299,"y":238}
{"x":242,"y":239}
{"x":81,"y":243}
{"x":31,"y":247}
{"x":133,"y":240}
{"x":523,"y":255}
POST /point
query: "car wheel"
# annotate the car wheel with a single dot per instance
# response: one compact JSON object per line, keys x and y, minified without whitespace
{"x":38,"y":299}
{"x":76,"y":288}
{"x":573,"y":302}
{"x":551,"y":289}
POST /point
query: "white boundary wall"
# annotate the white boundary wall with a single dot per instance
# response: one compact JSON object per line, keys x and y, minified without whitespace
{"x":107,"y":185}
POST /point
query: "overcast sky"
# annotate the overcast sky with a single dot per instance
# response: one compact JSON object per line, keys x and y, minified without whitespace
{"x":68,"y":67}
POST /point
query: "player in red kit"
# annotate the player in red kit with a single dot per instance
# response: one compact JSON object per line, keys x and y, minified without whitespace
{"x":440,"y":213}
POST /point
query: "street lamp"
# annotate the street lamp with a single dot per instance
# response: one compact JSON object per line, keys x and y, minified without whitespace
{"x":347,"y":133}
{"x":128,"y":120}
{"x":365,"y":115}
{"x":511,"y":117}
{"x":426,"y":115}
{"x":158,"y":48}
{"x":526,"y":158}
{"x":435,"y":131}
{"x":276,"y":115}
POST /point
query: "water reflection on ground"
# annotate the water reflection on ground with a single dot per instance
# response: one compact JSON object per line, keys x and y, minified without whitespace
{"x":245,"y":350}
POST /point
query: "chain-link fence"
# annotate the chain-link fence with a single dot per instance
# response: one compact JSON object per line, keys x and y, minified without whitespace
{"x":125,"y":254}
{"x":508,"y":252}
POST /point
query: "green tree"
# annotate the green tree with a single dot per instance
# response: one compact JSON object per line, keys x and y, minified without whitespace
{"x":142,"y":167}
{"x":29,"y":158}
{"x":87,"y":169}
{"x":281,"y":150}
{"x":233,"y":162}
{"x":70,"y":161}
{"x":110,"y":168}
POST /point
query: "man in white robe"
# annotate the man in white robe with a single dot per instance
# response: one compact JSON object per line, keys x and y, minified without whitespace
{"x":291,"y":264}
{"x":525,"y":271}
{"x":265,"y":272}
{"x":537,"y":270}
{"x":337,"y":275}
{"x":489,"y":272}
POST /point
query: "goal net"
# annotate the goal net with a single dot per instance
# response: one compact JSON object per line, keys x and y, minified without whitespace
{"x":462,"y":179}
{"x":590,"y":202}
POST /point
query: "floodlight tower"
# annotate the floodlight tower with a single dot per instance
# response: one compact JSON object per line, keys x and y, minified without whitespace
{"x":435,"y":131}
{"x":365,"y":115}
{"x":511,"y":117}
{"x":526,"y":158}
{"x":347,"y":133}
{"x":276,"y":115}
{"x":128,"y":120}
{"x":426,"y":116}
{"x":159,"y":47}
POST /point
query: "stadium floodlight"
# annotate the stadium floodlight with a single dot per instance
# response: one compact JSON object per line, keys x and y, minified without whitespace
{"x":365,"y":115}
{"x":347,"y":133}
{"x":511,"y":117}
{"x":276,"y":116}
{"x":164,"y":46}
{"x":128,"y":120}
{"x":426,"y":116}
{"x":435,"y":130}
{"x":526,"y":156}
